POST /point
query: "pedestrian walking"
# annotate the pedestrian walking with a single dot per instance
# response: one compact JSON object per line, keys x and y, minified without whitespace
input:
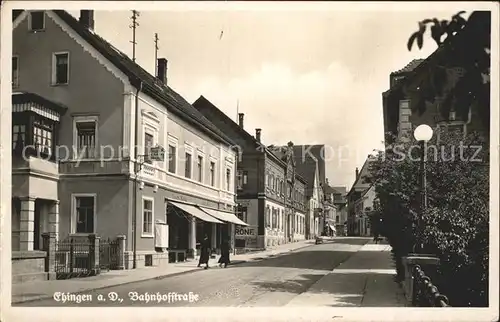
{"x":205,"y":252}
{"x":224,"y":253}
{"x":376,"y":238}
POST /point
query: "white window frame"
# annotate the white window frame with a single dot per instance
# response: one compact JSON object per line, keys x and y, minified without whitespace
{"x":202,"y":175}
{"x":228,"y":185}
{"x":143,"y":233}
{"x":29,"y":21}
{"x":153,"y":131}
{"x":188,"y":150}
{"x":54,"y":69}
{"x":15,"y":84}
{"x":85,"y":119}
{"x":214,"y":161}
{"x":73,"y":220}
{"x":171,"y":141}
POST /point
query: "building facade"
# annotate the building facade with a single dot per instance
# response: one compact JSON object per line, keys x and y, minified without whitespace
{"x":116,"y":116}
{"x":340,"y":200}
{"x":307,"y":167}
{"x":268,"y":189}
{"x":330,"y":211}
{"x":355,"y":210}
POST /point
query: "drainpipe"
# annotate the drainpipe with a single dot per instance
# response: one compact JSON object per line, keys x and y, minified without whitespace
{"x":136,"y":172}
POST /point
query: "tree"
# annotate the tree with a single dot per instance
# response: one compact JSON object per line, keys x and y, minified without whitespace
{"x":455,"y":225}
{"x":461,"y":43}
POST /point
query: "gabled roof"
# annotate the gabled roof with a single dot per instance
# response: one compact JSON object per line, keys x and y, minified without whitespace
{"x":137,"y":75}
{"x":341,"y":190}
{"x":363,"y":174}
{"x":203,"y":103}
{"x":477,"y":20}
{"x":306,"y":166}
{"x":408,"y":68}
{"x":318,"y":151}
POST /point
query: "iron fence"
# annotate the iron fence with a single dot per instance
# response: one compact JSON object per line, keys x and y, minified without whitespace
{"x":426,"y":294}
{"x":109,"y":254}
{"x":73,"y":258}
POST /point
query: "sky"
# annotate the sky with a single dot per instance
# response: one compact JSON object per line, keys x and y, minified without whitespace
{"x":310,"y":77}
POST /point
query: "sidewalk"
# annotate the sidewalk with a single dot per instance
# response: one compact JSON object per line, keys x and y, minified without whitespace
{"x":364,"y":280}
{"x":42,"y":290}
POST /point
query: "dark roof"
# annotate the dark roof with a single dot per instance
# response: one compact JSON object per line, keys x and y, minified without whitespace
{"x":150,"y":86}
{"x":363,"y":173}
{"x":341,"y":190}
{"x":202,"y":103}
{"x":27,"y":97}
{"x":306,"y":166}
{"x":408,"y":68}
{"x":477,"y":20}
{"x":318,"y":151}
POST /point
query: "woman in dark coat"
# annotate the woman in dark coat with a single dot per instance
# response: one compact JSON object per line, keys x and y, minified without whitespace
{"x":224,"y":253}
{"x":205,"y":252}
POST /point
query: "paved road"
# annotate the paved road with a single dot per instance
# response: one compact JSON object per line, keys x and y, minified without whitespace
{"x":269,"y":282}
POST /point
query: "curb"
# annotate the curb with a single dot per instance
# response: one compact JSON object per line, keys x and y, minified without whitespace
{"x":160,"y":277}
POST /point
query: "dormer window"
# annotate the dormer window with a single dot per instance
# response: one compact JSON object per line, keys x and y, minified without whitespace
{"x":36,"y":21}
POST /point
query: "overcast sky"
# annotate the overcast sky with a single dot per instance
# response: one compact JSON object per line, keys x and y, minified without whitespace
{"x":306,"y":77}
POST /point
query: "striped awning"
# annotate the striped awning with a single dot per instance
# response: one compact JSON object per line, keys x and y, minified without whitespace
{"x":195,"y":212}
{"x":224,"y":216}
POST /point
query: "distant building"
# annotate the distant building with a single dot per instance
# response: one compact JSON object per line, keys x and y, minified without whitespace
{"x":340,"y":201}
{"x":270,"y":195}
{"x":357,"y":211}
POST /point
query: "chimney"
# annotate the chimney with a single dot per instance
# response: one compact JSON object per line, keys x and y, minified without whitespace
{"x":87,"y":18}
{"x":257,"y":134}
{"x":357,"y":173}
{"x":161,"y":71}
{"x":241,"y":116}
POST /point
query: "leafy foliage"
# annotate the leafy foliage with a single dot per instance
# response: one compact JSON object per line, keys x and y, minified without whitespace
{"x":455,"y":224}
{"x":465,"y":45}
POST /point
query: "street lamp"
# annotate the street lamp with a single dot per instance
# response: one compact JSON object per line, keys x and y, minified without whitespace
{"x":423,"y":133}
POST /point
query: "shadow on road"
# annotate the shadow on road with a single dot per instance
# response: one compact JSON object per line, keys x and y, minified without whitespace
{"x":346,"y":289}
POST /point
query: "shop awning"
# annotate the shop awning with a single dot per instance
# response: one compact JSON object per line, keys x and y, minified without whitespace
{"x":196,"y":212}
{"x":225,"y":216}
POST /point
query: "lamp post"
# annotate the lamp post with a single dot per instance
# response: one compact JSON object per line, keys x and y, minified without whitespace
{"x":423,"y":133}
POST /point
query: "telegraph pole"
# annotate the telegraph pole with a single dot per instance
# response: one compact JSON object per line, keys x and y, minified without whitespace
{"x":156,"y":53}
{"x":134,"y":25}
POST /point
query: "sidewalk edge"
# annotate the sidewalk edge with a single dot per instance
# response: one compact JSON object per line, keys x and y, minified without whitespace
{"x":159,"y":277}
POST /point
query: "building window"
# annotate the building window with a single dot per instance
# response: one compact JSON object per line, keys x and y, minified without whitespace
{"x":337,"y":219}
{"x":228,"y":179}
{"x":15,"y":71}
{"x":147,"y":217}
{"x":200,"y":168}
{"x":242,"y":213}
{"x":60,"y":68}
{"x":275,"y":223}
{"x":148,"y":144}
{"x":212,"y":173}
{"x":187,"y":165}
{"x":86,"y":139}
{"x":18,"y":137}
{"x":172,"y":160}
{"x":42,"y":136}
{"x":268,"y":216}
{"x":239,"y":179}
{"x":37,"y":21}
{"x":84,"y":214}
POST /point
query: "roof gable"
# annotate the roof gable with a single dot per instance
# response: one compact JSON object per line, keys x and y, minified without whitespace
{"x":139,"y":77}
